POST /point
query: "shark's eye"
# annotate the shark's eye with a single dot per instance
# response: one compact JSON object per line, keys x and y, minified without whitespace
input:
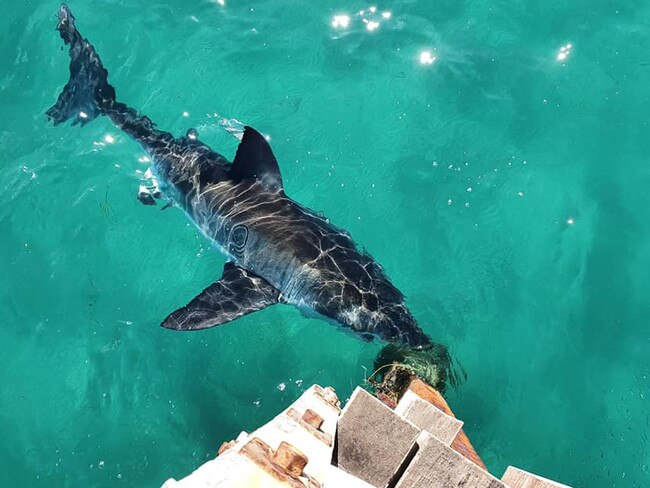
{"x":238,"y":237}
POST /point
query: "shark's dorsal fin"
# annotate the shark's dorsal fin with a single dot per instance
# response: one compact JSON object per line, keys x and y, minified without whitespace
{"x":255,"y":160}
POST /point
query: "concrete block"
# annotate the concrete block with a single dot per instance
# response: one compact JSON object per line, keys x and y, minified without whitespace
{"x":518,"y":478}
{"x":436,"y":465}
{"x":427,"y":417}
{"x":373,"y":442}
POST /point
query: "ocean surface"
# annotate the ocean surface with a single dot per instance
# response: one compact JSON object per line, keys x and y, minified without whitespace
{"x":494,"y":157}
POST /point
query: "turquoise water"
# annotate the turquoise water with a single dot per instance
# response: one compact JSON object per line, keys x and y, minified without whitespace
{"x":537,"y":277}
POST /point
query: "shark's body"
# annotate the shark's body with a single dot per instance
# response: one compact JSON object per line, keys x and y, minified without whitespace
{"x":279,"y":251}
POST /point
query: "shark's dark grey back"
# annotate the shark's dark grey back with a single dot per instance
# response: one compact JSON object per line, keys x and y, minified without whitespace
{"x":314,"y":264}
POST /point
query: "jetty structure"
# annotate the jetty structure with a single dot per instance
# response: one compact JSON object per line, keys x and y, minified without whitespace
{"x":403,"y":436}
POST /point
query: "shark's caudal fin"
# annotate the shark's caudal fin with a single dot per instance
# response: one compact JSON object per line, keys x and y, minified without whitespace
{"x":87,"y":93}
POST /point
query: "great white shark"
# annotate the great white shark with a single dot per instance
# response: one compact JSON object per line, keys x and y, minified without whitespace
{"x":278,"y":250}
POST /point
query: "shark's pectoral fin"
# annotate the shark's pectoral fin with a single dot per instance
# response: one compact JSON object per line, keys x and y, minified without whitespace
{"x":255,"y":160}
{"x":238,"y":292}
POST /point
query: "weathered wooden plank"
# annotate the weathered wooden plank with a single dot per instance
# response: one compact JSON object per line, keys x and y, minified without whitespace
{"x":518,"y":478}
{"x":373,"y":442}
{"x":436,"y":465}
{"x":461,"y":443}
{"x":427,"y":417}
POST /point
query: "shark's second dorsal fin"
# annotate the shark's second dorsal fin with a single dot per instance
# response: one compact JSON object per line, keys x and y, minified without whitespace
{"x":255,"y":160}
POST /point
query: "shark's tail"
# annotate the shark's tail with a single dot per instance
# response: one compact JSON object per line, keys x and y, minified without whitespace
{"x":87,"y":93}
